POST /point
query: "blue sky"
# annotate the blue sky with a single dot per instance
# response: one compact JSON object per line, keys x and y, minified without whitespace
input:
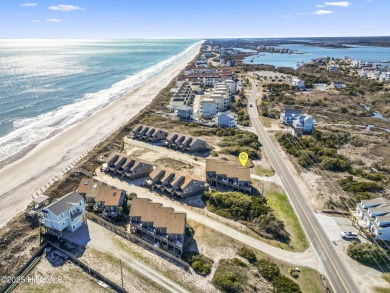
{"x":192,"y":18}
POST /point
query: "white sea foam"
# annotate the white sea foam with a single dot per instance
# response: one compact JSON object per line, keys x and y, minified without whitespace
{"x":31,"y":131}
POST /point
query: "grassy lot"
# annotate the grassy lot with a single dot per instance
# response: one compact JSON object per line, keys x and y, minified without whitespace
{"x":283,"y":210}
{"x":309,"y":280}
{"x":264,"y":171}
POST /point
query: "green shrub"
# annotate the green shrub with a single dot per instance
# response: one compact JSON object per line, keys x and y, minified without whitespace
{"x":247,"y":253}
{"x":351,"y":185}
{"x":282,"y":284}
{"x":367,"y":253}
{"x":200,"y":263}
{"x":268,"y":269}
{"x":230,"y":276}
{"x":235,"y":205}
{"x":334,"y":164}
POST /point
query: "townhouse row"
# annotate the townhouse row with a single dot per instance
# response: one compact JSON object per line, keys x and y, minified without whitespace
{"x":170,"y":139}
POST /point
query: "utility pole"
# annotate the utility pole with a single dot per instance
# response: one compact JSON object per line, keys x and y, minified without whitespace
{"x":120,"y":262}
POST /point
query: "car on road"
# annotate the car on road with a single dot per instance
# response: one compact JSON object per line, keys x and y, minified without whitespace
{"x":250,"y":105}
{"x":348,"y":235}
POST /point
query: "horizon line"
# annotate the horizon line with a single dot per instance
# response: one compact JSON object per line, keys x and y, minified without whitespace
{"x":197,"y":38}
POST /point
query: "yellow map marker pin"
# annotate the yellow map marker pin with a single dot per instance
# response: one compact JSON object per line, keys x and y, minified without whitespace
{"x":243,"y":157}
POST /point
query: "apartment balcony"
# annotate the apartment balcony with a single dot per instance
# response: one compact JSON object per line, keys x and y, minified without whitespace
{"x":98,"y":208}
{"x":169,"y":189}
{"x":109,"y":214}
{"x":229,"y":183}
{"x":76,"y":214}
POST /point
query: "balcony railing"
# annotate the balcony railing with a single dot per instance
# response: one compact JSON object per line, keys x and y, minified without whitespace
{"x":229,"y":183}
{"x":76,"y":214}
{"x":178,"y":243}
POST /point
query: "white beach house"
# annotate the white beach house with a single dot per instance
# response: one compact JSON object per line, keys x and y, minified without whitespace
{"x":298,"y":83}
{"x":65,"y":213}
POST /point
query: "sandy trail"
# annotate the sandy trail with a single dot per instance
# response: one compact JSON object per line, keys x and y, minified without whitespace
{"x":24,"y":177}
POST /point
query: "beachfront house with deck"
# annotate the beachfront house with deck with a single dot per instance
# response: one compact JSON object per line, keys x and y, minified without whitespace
{"x":288,"y":116}
{"x":160,"y":225}
{"x":228,"y":175}
{"x":66,"y":212}
{"x":374,"y":215}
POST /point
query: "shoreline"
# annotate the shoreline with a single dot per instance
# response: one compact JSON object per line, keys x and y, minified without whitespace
{"x":48,"y":161}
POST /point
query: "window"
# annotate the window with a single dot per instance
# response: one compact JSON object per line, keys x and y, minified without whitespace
{"x":380,"y":233}
{"x":74,"y":227}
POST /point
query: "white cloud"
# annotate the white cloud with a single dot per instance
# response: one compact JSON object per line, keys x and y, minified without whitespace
{"x":28,"y":4}
{"x":287,"y":16}
{"x":320,"y":6}
{"x":63,"y":7}
{"x":322,"y":12}
{"x":56,"y":20}
{"x":340,"y":4}
{"x":35,"y":21}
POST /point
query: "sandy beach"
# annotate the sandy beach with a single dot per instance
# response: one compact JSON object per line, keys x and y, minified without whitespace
{"x":21,"y":179}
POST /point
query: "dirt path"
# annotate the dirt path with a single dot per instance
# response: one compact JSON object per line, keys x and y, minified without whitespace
{"x":102,"y":240}
{"x":306,"y":258}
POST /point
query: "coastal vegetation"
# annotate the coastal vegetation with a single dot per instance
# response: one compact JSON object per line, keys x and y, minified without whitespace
{"x":282,"y":209}
{"x":320,"y":148}
{"x":234,"y":141}
{"x":367,"y":253}
{"x":231,"y":276}
{"x":199,"y":262}
{"x":239,"y":106}
{"x":270,"y":271}
{"x":248,"y":254}
{"x":250,"y":210}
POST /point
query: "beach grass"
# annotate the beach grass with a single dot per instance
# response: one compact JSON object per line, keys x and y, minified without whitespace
{"x":279,"y":203}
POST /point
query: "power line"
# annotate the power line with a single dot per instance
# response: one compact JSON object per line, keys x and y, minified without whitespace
{"x":294,"y":140}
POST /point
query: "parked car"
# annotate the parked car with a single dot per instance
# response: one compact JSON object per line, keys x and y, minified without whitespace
{"x":250,"y":105}
{"x":348,"y":235}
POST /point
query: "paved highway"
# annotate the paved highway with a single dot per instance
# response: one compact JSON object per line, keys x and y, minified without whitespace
{"x":337,"y":273}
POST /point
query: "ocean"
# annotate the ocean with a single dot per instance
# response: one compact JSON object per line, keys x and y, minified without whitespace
{"x":46,"y":86}
{"x":364,"y":53}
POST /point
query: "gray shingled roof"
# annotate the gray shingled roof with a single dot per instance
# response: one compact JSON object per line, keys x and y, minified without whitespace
{"x":64,"y":203}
